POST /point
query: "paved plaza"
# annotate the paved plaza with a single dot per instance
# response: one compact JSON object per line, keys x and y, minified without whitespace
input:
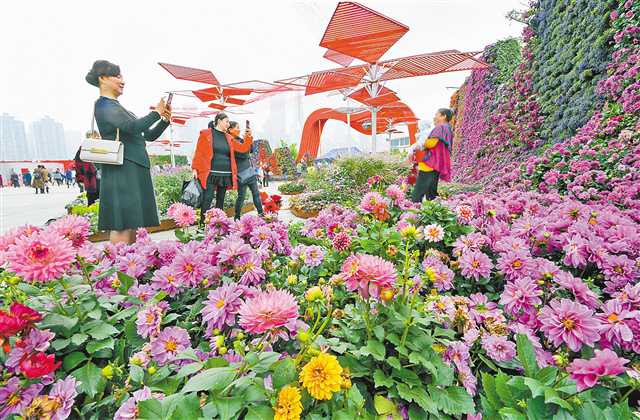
{"x":20,"y":206}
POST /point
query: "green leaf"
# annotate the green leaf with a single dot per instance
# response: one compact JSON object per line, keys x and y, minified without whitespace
{"x":565,"y":415}
{"x":383,"y":405}
{"x":510,"y":413}
{"x":102,"y":330}
{"x":527,"y":355}
{"x":189,"y":354}
{"x":72,"y":360}
{"x":124,"y":314}
{"x":355,"y":396}
{"x":547,"y":375}
{"x":284,"y":373}
{"x":95,"y":314}
{"x":54,"y":321}
{"x":189,"y":369}
{"x":407,"y":376}
{"x":537,"y":409}
{"x":211,"y":379}
{"x":382,"y":380}
{"x":590,"y":411}
{"x":187,"y":407}
{"x":265,"y":361}
{"x":537,"y":389}
{"x":95,"y":346}
{"x":378,"y":331}
{"x":136,"y":373}
{"x":551,"y":396}
{"x":125,"y":283}
{"x":91,"y":379}
{"x":79,"y":338}
{"x":228,"y":407}
{"x":60,"y":344}
{"x":153,"y":409}
{"x":394,"y":362}
{"x":502,"y":389}
{"x":259,"y":412}
{"x":375,"y":349}
{"x":452,"y":400}
{"x":489,"y":387}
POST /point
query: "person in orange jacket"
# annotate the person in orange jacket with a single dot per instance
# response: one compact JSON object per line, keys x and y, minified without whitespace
{"x":214,"y":163}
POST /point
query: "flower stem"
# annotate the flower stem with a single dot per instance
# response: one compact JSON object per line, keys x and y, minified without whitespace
{"x":67,"y":290}
{"x":409,"y":321}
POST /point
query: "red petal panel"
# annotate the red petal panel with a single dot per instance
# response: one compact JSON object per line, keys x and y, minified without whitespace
{"x":190,"y":73}
{"x":357,"y":31}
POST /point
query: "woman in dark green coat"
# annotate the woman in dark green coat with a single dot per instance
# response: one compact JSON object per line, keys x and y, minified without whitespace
{"x":127,"y":200}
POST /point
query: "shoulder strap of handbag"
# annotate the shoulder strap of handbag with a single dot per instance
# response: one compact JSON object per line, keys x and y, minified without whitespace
{"x":93,"y":120}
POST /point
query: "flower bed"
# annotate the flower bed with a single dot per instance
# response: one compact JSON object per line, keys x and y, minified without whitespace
{"x":292,"y":188}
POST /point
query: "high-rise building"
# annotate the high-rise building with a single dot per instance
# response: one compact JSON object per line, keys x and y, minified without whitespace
{"x":13,"y":139}
{"x":48,"y":139}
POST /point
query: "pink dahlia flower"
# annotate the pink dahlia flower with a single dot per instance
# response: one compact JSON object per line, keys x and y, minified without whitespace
{"x":371,"y":201}
{"x":515,"y":265}
{"x":74,"y":228}
{"x":129,"y":410}
{"x":521,"y":294}
{"x":268,"y":311}
{"x":168,"y":344}
{"x":164,"y":279}
{"x":498,"y":347}
{"x":614,"y":321}
{"x":132,"y":264}
{"x":586,"y":373}
{"x":368,"y":274}
{"x":148,"y":320}
{"x":341,"y":241}
{"x":182,"y":214}
{"x":475,"y":264}
{"x":63,"y":392}
{"x":565,"y":321}
{"x":221,"y":307}
{"x":42,"y":256}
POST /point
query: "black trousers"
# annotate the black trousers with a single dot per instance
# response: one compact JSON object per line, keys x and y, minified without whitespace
{"x":265,"y":180}
{"x":255,"y":195}
{"x":207,"y":198}
{"x":426,"y":186}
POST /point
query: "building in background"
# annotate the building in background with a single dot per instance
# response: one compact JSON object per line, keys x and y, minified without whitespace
{"x":399,"y":143}
{"x":48,"y":139}
{"x":13,"y":139}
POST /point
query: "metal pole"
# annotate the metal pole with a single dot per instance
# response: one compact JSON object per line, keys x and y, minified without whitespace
{"x":374,"y":129}
{"x":173,"y":158}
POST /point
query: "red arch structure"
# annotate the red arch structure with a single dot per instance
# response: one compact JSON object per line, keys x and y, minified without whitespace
{"x":392,"y":113}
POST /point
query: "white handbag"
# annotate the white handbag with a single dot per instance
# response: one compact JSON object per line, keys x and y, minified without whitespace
{"x":95,"y":150}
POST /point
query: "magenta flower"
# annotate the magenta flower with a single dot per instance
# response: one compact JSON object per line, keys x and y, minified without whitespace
{"x":132,"y":264}
{"x":129,"y":410}
{"x":576,"y":251}
{"x":163,"y":279}
{"x":182,"y":214}
{"x":35,"y":341}
{"x":251,"y":269}
{"x":149,"y":319}
{"x":522,"y":294}
{"x":475,"y":264}
{"x":168,"y":344}
{"x":41,"y":256}
{"x":614,"y":319}
{"x":579,"y":289}
{"x":368,"y":274}
{"x":586,"y":373}
{"x":468,"y":379}
{"x":480,"y":307}
{"x":14,"y":399}
{"x":221,"y":307}
{"x":372,"y":200}
{"x":74,"y":228}
{"x":268,"y":311}
{"x":565,"y":321}
{"x":167,"y":251}
{"x":341,"y":241}
{"x":63,"y":392}
{"x":246,"y":225}
{"x":498,"y":347}
{"x":233,"y":250}
{"x":515,"y":265}
{"x":190,"y":267}
{"x":218,"y":223}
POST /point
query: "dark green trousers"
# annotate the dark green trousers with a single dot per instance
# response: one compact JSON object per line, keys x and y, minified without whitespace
{"x":426,"y":186}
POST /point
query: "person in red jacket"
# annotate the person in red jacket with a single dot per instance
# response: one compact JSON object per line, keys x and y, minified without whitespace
{"x":214,"y":163}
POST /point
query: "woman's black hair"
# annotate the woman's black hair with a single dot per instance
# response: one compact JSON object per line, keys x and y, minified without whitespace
{"x":219,"y":116}
{"x":101,"y":68}
{"x":448,"y":114}
{"x":233,"y":124}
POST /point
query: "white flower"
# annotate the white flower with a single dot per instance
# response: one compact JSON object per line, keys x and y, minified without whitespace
{"x":433,"y":233}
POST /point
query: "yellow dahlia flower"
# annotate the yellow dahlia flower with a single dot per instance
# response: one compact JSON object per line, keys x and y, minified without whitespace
{"x":322,"y":376}
{"x":289,"y":406}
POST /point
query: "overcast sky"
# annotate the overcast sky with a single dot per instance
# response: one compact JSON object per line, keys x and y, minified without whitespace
{"x":48,"y":47}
